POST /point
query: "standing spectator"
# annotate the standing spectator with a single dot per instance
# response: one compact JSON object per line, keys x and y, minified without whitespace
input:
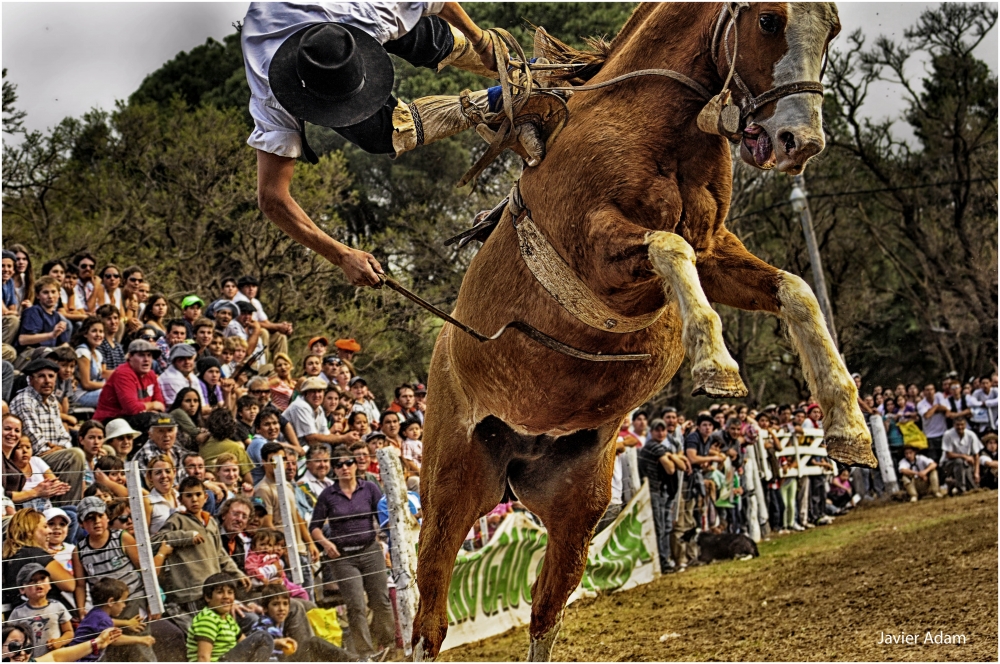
{"x":111,"y":350}
{"x":699,"y":454}
{"x":657,"y":465}
{"x":42,"y":325}
{"x":346,"y":348}
{"x":132,"y":392}
{"x":420,"y":393}
{"x":24,"y":276}
{"x":918,"y":475}
{"x":39,"y":412}
{"x":276,"y":334}
{"x":405,"y":402}
{"x":90,"y":363}
{"x":675,"y":434}
{"x":988,"y":462}
{"x":344,"y":524}
{"x":180,"y":374}
{"x":984,"y":417}
{"x":960,"y":457}
{"x":959,"y":404}
{"x":933,"y":409}
{"x":640,"y":426}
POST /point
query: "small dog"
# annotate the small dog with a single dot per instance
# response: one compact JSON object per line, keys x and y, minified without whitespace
{"x":723,"y":546}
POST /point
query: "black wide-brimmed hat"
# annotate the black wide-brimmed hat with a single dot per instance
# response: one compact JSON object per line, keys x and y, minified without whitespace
{"x":331,"y":74}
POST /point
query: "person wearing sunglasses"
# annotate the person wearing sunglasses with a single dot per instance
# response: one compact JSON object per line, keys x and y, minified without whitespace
{"x":132,"y":279}
{"x":108,"y":290}
{"x":344,"y":525}
{"x":85,"y":264}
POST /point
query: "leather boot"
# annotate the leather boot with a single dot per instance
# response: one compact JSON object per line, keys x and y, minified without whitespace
{"x":429,"y":119}
{"x":464,"y":56}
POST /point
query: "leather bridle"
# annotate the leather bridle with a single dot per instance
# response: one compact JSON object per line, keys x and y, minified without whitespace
{"x":751,"y":103}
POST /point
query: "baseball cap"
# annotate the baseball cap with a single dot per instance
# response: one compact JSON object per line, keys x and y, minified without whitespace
{"x":313,"y":383}
{"x":657,"y":423}
{"x":191,"y":300}
{"x":91,"y":505}
{"x":164,"y":420}
{"x":218,"y":305}
{"x":855,"y":375}
{"x":324,"y":340}
{"x":117,"y":428}
{"x":373,"y":435}
{"x":181,"y":351}
{"x":348,"y":344}
{"x":28,"y":571}
{"x":143,"y":346}
{"x":259,"y":506}
{"x":357,"y":379}
{"x":53,"y":512}
{"x":420,"y":389}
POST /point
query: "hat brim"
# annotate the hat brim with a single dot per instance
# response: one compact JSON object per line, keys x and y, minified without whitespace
{"x":300,"y":102}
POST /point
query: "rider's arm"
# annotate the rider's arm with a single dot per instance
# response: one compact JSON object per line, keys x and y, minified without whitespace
{"x":274,"y":177}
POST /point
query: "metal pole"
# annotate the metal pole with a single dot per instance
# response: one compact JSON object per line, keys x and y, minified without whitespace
{"x":143,"y":545}
{"x":288,"y":525}
{"x":800,"y":203}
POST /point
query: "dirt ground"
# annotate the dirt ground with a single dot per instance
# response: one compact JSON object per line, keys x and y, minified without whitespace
{"x":824,"y":594}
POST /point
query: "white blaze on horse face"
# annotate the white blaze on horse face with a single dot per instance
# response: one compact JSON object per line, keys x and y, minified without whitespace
{"x":796,"y":127}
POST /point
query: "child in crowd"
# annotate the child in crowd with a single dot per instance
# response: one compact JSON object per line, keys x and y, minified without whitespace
{"x":59,"y":527}
{"x":66,"y":387}
{"x":789,"y":491}
{"x":227,"y":474}
{"x":276,"y":603}
{"x":92,"y":443}
{"x":109,"y":474}
{"x":110,"y":597}
{"x":48,"y":618}
{"x":35,"y":470}
{"x":840,"y":489}
{"x":264,"y":561}
{"x":247,"y":408}
{"x":214,"y":635}
{"x":413,"y":448}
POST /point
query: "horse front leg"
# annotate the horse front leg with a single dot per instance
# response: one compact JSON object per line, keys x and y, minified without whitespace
{"x":714,"y":371}
{"x":733,"y":276}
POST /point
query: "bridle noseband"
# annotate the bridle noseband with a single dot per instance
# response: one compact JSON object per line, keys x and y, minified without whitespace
{"x":751,"y":103}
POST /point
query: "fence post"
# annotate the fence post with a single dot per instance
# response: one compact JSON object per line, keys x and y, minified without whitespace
{"x":286,"y":510}
{"x":403,"y":529}
{"x":885,"y":465}
{"x":143,"y":546}
{"x":630,"y":474}
{"x":752,"y":489}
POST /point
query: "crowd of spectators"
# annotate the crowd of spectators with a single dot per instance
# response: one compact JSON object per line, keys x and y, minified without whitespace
{"x":98,"y":371}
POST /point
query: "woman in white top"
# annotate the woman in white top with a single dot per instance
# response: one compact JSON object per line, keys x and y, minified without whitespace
{"x":162,"y":500}
{"x":89,"y":362}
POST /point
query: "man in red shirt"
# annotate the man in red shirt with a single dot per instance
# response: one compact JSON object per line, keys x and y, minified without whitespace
{"x":132,"y":391}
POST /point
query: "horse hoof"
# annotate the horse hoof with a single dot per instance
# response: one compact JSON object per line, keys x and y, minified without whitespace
{"x":418,"y":651}
{"x":718,"y":383}
{"x":850,"y":450}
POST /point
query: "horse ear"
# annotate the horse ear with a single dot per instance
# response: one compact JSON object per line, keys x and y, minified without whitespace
{"x":721,"y":116}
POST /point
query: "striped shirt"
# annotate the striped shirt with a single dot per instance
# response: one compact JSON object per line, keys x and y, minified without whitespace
{"x":110,"y":561}
{"x":114,"y":356}
{"x":42,"y":424}
{"x":221,"y":631}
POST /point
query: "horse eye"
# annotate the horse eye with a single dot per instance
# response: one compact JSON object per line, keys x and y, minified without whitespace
{"x":769,"y":24}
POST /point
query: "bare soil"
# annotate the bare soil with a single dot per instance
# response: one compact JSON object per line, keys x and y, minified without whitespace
{"x":826,"y":594}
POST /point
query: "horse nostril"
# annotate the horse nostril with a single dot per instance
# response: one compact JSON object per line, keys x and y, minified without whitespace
{"x":788,"y":140}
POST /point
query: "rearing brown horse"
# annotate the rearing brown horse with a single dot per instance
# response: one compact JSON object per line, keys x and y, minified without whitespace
{"x":633,"y":197}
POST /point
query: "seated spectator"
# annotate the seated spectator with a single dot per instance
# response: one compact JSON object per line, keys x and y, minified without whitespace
{"x":194,"y":466}
{"x":918,"y":475}
{"x":391,"y":423}
{"x":107,"y":291}
{"x":26,"y":542}
{"x":216,"y":391}
{"x":413,"y":447}
{"x":268,"y":428}
{"x":988,"y":462}
{"x":39,"y":412}
{"x":246,"y":414}
{"x":60,"y":527}
{"x":308,"y":419}
{"x":246,"y":328}
{"x":18,"y":644}
{"x":274,"y":335}
{"x":204,"y":333}
{"x":36,"y":472}
{"x":48,"y":618}
{"x":215,"y":346}
{"x":358,"y":422}
{"x":960,"y":457}
{"x":162,"y":500}
{"x":234,"y":517}
{"x":234,"y":351}
{"x":187,"y":413}
{"x":315,"y":480}
{"x":42,"y":325}
{"x":228,"y":476}
{"x":73,"y":309}
{"x":330,"y":365}
{"x":191,"y":307}
{"x":224,"y":313}
{"x":362,"y":402}
{"x":110,"y":597}
{"x":222,"y":429}
{"x":312,"y":367}
{"x":276,"y":602}
{"x":267,"y":491}
{"x":119,"y":437}
{"x":112,"y":351}
{"x":283,"y":383}
{"x":91,"y":369}
{"x":109,"y":474}
{"x":11,"y":305}
{"x":214,"y":635}
{"x":155,"y":312}
{"x":420,"y":393}
{"x":66,"y":386}
{"x":198,"y":556}
{"x":180,"y":373}
{"x":346,"y":348}
{"x":343,"y":376}
{"x":162,"y":442}
{"x":132,"y":392}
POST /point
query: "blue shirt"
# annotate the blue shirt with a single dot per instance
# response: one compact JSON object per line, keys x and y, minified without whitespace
{"x":35,"y":320}
{"x":95,"y":622}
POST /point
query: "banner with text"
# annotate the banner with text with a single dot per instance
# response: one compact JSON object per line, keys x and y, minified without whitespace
{"x":491,"y":588}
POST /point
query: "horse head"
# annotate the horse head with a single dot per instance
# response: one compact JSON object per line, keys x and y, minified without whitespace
{"x":775,"y":53}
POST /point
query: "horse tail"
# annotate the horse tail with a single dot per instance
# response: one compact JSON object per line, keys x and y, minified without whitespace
{"x":590,"y":61}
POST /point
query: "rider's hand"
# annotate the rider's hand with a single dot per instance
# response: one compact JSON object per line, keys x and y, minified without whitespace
{"x":361,"y":268}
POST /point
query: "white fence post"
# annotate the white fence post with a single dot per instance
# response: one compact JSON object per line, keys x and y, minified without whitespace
{"x":285,"y":509}
{"x":403,"y":530}
{"x":630,"y":474}
{"x":885,"y":465}
{"x":752,"y":489}
{"x":144,"y":547}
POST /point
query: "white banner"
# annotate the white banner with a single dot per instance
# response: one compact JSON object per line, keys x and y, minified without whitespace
{"x":491,"y":588}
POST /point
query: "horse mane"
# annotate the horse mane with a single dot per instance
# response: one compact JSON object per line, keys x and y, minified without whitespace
{"x":592,"y":58}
